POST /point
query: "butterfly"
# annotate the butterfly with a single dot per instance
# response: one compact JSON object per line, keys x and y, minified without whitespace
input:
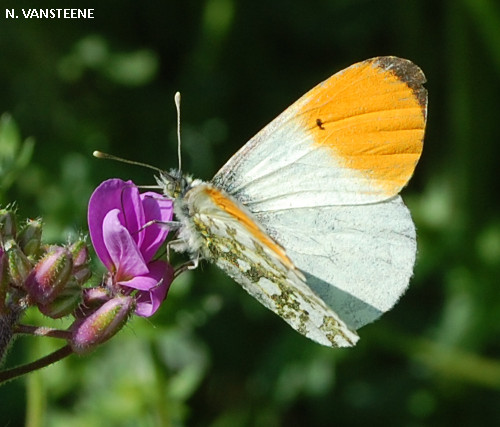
{"x":306,"y":216}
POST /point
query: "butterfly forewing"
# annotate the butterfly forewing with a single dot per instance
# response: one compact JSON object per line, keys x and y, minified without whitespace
{"x":353,"y":139}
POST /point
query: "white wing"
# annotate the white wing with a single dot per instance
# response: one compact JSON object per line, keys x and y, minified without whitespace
{"x":355,"y":138}
{"x":358,"y":258}
{"x":323,"y":179}
{"x":227,"y":234}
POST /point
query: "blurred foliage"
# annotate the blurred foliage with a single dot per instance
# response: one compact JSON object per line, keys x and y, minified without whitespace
{"x":14,"y":154}
{"x":213,"y":356}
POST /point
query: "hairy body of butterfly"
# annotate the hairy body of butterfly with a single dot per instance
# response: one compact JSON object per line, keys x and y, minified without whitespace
{"x":306,"y":216}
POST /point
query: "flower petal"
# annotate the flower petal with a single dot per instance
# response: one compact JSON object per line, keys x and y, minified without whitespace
{"x":141,"y":283}
{"x":113,"y":194}
{"x":133,"y":211}
{"x":125,"y":257}
{"x":149,"y":301}
{"x":156,"y":207}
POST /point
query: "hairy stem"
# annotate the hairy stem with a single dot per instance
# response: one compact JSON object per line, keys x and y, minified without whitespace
{"x":42,"y":331}
{"x":57,"y":355}
{"x":8,"y":321}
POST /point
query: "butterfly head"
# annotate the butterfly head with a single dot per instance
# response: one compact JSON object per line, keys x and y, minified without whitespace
{"x":173,"y":183}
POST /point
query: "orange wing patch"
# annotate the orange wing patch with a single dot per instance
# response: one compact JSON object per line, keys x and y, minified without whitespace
{"x":227,"y":205}
{"x":372,"y":115}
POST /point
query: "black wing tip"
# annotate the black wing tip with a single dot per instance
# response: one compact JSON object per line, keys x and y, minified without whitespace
{"x":407,"y":72}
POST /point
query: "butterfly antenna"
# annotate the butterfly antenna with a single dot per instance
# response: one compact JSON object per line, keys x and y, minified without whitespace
{"x":101,"y":155}
{"x":177,"y":99}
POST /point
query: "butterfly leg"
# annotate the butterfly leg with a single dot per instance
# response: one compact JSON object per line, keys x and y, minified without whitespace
{"x":189,"y":265}
{"x":172,"y":225}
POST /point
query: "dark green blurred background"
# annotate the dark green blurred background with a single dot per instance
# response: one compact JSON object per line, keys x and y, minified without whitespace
{"x":213,"y":356}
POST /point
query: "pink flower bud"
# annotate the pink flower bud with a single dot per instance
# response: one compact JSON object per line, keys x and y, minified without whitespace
{"x":80,"y":253}
{"x":101,"y":325}
{"x":93,"y":298}
{"x":19,"y":264}
{"x":50,"y":275}
{"x":8,"y":225}
{"x":30,"y":237}
{"x":65,"y":302}
{"x":81,"y":270}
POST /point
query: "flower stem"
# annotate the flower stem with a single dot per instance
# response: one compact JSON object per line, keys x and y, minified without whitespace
{"x":42,"y":331}
{"x":7,"y":324}
{"x":57,"y":355}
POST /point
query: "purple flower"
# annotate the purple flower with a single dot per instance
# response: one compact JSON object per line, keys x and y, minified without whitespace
{"x":117,"y":217}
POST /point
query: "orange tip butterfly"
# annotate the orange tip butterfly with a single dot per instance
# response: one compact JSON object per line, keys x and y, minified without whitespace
{"x":306,"y":216}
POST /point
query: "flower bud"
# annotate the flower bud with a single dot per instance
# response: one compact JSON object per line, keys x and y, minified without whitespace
{"x":101,"y":325}
{"x":8,"y":225}
{"x":65,"y":302}
{"x":80,"y":252}
{"x":30,"y":237}
{"x":81,"y":270}
{"x":19,"y":264}
{"x":50,"y":275}
{"x":93,"y":298}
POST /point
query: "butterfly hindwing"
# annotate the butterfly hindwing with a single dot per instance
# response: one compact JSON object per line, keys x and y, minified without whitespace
{"x":357,"y":258}
{"x":229,"y":236}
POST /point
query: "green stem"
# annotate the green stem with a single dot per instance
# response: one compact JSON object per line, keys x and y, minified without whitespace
{"x":35,"y":400}
{"x":57,"y":355}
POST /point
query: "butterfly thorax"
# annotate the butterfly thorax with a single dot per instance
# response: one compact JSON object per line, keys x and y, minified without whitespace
{"x":207,"y":211}
{"x":188,"y":236}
